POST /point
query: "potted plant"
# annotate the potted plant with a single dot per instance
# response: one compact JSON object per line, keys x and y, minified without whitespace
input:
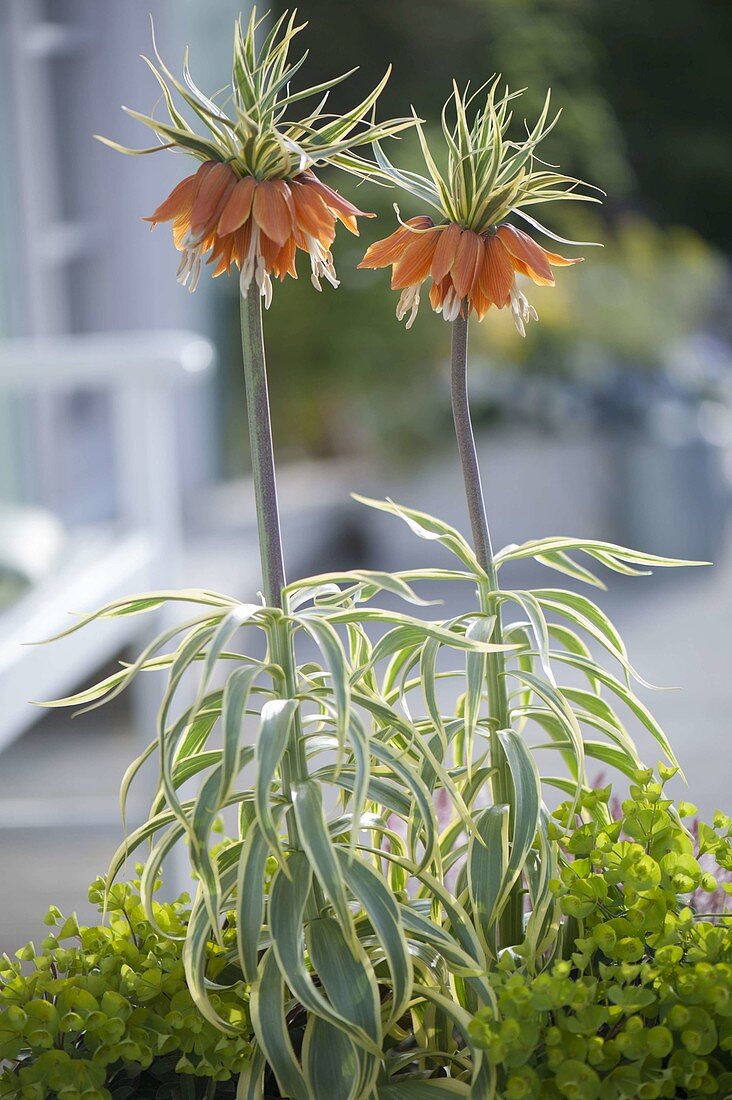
{"x":396,"y":913}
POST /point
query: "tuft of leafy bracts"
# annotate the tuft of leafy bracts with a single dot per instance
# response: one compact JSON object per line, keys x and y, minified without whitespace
{"x":104,"y":1012}
{"x":259,"y":135}
{"x":641,"y":1006}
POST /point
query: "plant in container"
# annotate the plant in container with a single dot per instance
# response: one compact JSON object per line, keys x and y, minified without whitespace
{"x":396,"y":913}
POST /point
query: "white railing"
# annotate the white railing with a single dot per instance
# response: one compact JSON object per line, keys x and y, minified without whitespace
{"x":142,"y":373}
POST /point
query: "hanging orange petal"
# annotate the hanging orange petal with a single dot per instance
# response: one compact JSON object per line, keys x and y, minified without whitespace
{"x":242,"y":239}
{"x":222,"y":252}
{"x":299,"y":237}
{"x":269,"y":250}
{"x":562,"y":261}
{"x":497,"y":272}
{"x":438,"y":292}
{"x":178,"y":203}
{"x":344,"y":210}
{"x":216,"y":184}
{"x":415,"y":261}
{"x":272,"y":211}
{"x":285,"y":262}
{"x":312,"y":216}
{"x":446,"y":251}
{"x":391,"y":248}
{"x":238,"y":206}
{"x":468,"y":262}
{"x":479,"y":302}
{"x":520,"y":267}
{"x":520,"y":245}
{"x":180,"y":230}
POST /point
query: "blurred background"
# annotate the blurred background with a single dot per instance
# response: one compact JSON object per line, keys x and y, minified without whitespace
{"x":123,"y":449}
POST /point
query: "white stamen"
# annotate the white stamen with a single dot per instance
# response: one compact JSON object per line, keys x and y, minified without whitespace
{"x":522,"y":309}
{"x":195,"y":273}
{"x":263,"y":282}
{"x":182,"y":266}
{"x":252,"y":269}
{"x":408,"y":301}
{"x":321,"y":263}
{"x":451,"y":305}
{"x":189,"y":268}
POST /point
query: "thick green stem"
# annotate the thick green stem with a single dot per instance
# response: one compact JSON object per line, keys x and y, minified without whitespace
{"x":510,"y":931}
{"x":294,"y":767}
{"x":260,"y":441}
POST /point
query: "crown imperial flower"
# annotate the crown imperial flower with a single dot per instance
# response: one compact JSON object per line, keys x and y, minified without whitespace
{"x":255,"y":200}
{"x":472,"y":255}
{"x":256,"y":224}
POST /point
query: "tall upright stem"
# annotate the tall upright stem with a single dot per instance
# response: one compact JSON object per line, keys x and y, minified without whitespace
{"x":510,"y":930}
{"x":466,"y":448}
{"x":260,"y":437}
{"x":294,"y":767}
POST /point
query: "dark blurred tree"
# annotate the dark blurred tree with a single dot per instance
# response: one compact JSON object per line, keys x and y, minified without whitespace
{"x":537,"y":44}
{"x":331,"y":356}
{"x":646,"y":100}
{"x":645,"y":87}
{"x":665,"y":68}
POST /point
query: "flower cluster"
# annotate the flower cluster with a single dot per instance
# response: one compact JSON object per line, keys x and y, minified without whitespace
{"x":256,"y":224}
{"x":465,"y":267}
{"x":255,"y":200}
{"x":105,"y":1011}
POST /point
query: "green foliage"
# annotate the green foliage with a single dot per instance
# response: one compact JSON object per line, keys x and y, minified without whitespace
{"x":487,"y":174}
{"x":641,"y":1004}
{"x":104,"y":1012}
{"x":256,"y":138}
{"x":386,"y":826}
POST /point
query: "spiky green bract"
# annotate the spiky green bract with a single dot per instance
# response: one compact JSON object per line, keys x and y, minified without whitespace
{"x":254,"y":130}
{"x":486,"y":174}
{"x":364,"y":862}
{"x":641,"y":1003}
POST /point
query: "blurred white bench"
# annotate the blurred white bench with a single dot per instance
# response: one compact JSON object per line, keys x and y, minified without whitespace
{"x":135,"y":552}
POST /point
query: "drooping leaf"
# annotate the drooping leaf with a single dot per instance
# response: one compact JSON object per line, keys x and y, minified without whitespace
{"x":331,"y":1062}
{"x":312,"y":830}
{"x":267,"y":1006}
{"x":488,"y":869}
{"x":272,"y":743}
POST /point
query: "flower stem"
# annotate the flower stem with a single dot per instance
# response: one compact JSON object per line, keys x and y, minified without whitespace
{"x":294,"y":766}
{"x":260,"y":439}
{"x":510,"y":927}
{"x":466,"y":447}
